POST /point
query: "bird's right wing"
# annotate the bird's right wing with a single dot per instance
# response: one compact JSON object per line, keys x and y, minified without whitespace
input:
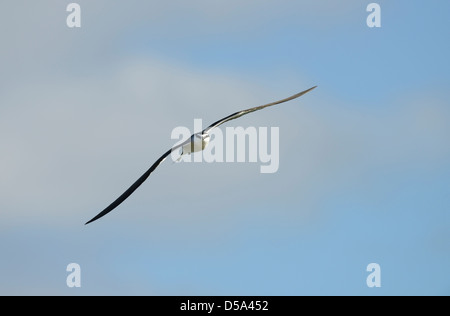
{"x":137,"y":184}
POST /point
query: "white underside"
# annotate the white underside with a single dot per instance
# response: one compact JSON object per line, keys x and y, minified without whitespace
{"x":198,"y":144}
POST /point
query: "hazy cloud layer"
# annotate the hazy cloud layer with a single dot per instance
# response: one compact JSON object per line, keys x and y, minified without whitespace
{"x":79,"y":139}
{"x":83,"y":113}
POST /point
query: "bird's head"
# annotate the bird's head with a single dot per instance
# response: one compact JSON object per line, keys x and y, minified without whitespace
{"x":205,"y":136}
{"x":202,"y":136}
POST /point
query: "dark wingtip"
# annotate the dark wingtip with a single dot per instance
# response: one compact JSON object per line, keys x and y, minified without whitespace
{"x":94,"y":219}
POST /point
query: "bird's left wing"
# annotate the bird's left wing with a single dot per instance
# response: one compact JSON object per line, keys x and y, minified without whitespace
{"x":244,"y":112}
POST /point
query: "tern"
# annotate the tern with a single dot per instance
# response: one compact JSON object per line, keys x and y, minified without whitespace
{"x":196,"y":142}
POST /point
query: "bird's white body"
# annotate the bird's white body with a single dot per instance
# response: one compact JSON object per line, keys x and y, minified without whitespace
{"x":198,"y":142}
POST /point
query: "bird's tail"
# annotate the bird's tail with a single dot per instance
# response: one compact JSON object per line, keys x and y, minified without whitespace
{"x":179,"y":158}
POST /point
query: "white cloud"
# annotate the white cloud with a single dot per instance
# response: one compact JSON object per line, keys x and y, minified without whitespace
{"x":82,"y":116}
{"x":75,"y":143}
{"x":74,"y":138}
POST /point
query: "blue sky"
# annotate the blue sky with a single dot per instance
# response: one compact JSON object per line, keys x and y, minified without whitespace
{"x":364,"y":158}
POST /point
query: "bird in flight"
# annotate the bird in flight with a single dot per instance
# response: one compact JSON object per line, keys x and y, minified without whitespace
{"x":197,"y":142}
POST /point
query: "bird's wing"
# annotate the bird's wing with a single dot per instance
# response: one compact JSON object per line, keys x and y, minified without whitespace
{"x":244,"y":112}
{"x":138,"y":182}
